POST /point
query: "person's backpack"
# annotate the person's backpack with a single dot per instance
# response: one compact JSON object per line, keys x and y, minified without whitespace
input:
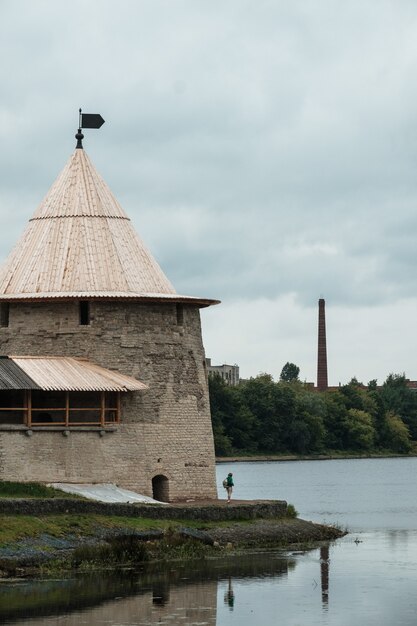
{"x":225,"y":483}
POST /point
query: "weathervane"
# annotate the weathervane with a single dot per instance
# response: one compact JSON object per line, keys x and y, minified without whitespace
{"x":87,"y":120}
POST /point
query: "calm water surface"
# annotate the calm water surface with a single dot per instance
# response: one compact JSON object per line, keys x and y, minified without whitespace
{"x":367,"y":578}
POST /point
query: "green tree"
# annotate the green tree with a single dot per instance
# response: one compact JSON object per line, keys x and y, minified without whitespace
{"x":359,"y":430}
{"x":219,"y":405}
{"x":289,"y":373}
{"x":395,"y":434}
{"x":398,"y":398}
{"x":334,"y":419}
{"x":286,"y":416}
{"x":233,"y":423}
{"x":273,"y":408}
{"x":306,"y":430}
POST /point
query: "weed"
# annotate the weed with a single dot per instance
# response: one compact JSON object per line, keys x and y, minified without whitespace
{"x":118,"y":550}
{"x":291,"y":511}
{"x":28,"y":490}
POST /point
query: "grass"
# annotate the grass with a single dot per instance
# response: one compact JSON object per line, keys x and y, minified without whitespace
{"x":109,"y":542}
{"x":16,"y":527}
{"x":29,"y":490}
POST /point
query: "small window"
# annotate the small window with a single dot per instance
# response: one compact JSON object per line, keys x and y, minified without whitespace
{"x":180,"y":314}
{"x":4,"y":314}
{"x":84,"y":313}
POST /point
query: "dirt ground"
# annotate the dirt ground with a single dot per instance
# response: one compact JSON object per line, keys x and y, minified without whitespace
{"x":283,"y":531}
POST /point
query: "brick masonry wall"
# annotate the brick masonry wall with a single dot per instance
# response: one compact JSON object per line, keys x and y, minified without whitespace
{"x":166,"y":430}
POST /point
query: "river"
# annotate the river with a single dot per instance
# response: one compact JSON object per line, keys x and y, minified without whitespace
{"x":369,"y":577}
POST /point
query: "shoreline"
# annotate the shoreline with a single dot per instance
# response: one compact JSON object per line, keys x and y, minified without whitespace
{"x":267,"y":458}
{"x":51,"y":557}
{"x":34,"y":544}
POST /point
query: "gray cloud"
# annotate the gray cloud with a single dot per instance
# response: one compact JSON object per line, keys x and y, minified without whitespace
{"x":265,"y":152}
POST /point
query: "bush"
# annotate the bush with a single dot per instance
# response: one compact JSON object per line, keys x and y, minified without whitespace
{"x":291,"y":511}
{"x":120,"y":550}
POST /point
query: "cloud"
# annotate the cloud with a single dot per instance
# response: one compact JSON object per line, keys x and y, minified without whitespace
{"x":265,"y":152}
{"x":362,"y":341}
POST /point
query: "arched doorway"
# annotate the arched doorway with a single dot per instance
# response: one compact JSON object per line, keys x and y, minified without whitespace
{"x":160,"y":488}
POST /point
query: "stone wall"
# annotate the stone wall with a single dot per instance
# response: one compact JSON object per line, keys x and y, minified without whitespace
{"x":267,"y":509}
{"x":164,"y":431}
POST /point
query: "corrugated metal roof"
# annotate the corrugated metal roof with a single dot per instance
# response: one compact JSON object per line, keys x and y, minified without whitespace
{"x":13,"y":377}
{"x":70,"y":374}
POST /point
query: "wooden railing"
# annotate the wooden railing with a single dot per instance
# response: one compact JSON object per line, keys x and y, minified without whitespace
{"x":47,"y":416}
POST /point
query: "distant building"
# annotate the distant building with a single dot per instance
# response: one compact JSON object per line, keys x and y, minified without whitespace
{"x":229,"y":373}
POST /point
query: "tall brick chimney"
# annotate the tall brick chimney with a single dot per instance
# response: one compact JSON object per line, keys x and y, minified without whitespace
{"x":322,"y":383}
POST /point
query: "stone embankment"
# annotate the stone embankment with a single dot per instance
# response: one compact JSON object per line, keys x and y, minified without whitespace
{"x":216,"y":525}
{"x":209,"y":511}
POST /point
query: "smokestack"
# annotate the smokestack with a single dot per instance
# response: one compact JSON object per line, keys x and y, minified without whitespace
{"x":322,"y":351}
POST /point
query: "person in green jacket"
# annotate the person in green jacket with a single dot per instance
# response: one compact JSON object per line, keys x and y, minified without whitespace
{"x":229,"y":486}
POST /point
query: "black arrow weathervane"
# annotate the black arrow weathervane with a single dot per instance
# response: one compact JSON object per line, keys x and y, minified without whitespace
{"x":87,"y":120}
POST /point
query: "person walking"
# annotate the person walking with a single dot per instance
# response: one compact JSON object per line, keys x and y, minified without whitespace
{"x":229,"y":486}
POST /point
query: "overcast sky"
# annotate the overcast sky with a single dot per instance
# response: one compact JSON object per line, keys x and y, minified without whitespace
{"x":265,"y":151}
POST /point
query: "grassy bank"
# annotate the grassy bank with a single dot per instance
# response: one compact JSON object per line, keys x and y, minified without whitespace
{"x":52,"y":544}
{"x":16,"y":527}
{"x":10,"y":489}
{"x":55,"y":544}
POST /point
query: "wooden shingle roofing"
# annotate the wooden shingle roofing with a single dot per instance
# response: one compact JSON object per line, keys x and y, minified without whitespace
{"x":81,"y":244}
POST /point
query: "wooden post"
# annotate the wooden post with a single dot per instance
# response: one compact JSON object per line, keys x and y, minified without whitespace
{"x":67,"y":409}
{"x":118,"y":407}
{"x":29,"y":407}
{"x":102,"y":414}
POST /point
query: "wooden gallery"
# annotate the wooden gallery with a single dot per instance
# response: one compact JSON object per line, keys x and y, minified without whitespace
{"x":102,"y":373}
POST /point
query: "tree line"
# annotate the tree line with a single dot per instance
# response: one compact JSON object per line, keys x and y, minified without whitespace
{"x":264,"y":416}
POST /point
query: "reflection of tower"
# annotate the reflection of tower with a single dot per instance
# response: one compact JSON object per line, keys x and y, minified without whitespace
{"x":324,"y":575}
{"x":322,"y":351}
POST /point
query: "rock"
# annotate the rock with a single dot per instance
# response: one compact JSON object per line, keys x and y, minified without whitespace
{"x":199,"y":535}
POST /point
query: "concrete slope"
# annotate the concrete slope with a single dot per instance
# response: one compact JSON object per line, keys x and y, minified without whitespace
{"x":105,"y":492}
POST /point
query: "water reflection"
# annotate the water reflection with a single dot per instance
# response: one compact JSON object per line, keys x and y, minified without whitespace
{"x":180,"y":594}
{"x":324,"y":575}
{"x":363,"y":579}
{"x":229,"y":596}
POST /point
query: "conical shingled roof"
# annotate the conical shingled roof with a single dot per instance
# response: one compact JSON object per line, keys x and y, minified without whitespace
{"x":81,"y":244}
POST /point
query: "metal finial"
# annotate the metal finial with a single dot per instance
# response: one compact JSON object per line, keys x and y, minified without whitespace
{"x":79,"y":136}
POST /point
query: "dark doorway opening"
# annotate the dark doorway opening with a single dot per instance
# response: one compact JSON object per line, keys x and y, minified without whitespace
{"x":160,"y":488}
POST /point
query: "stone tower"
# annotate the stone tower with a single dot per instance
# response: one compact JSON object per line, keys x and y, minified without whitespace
{"x":322,"y":382}
{"x":80,"y":287}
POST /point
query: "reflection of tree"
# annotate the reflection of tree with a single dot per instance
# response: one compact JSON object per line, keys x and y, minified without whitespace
{"x":399,"y":537}
{"x":229,"y":596}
